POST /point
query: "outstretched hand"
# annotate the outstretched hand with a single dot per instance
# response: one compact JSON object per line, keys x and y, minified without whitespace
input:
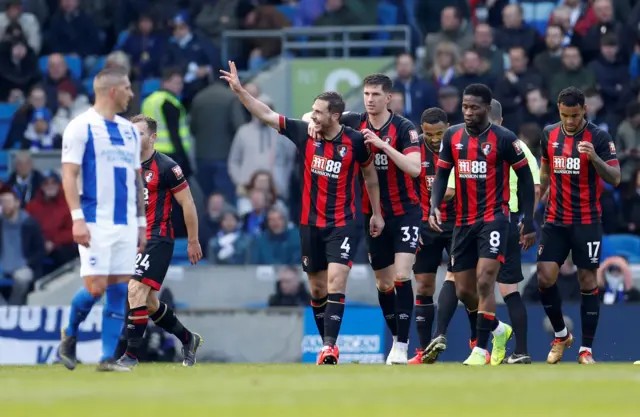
{"x":231,"y":77}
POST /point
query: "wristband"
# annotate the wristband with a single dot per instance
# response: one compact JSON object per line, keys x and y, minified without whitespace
{"x":142,"y":221}
{"x":77,"y":214}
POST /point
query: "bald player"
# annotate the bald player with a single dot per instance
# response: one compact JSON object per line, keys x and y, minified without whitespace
{"x":102,"y":150}
{"x":510,"y":274}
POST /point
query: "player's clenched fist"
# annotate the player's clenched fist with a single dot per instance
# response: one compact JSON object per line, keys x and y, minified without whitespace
{"x":80,"y":232}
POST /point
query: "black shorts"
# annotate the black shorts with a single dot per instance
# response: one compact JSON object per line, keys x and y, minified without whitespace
{"x":153,"y":263}
{"x":582,"y":240}
{"x":400,"y":235}
{"x":322,"y":246}
{"x":429,"y":257}
{"x":511,"y":269}
{"x":480,"y":240}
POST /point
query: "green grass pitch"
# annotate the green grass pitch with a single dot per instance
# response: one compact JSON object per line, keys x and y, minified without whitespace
{"x":158,"y":390}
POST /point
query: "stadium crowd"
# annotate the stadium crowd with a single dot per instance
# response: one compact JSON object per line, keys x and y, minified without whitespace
{"x":526,"y":51}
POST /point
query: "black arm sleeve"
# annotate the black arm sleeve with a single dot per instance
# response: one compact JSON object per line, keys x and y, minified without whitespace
{"x":351,"y":119}
{"x":440,"y":187}
{"x":527,"y":195}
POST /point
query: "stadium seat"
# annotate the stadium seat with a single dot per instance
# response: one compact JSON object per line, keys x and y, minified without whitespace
{"x":87,"y":83}
{"x":4,"y":165}
{"x":387,"y":16}
{"x":5,"y":283}
{"x":180,"y":256}
{"x":73,"y":62}
{"x":288,"y":11}
{"x":7,"y":110}
{"x":122,"y":38}
{"x":97,"y":67}
{"x":149,"y":86}
{"x":621,"y":245}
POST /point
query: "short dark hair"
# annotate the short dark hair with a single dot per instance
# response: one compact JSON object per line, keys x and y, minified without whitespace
{"x":540,"y":91}
{"x":591,"y":92}
{"x":379,"y":79}
{"x":433,"y":116}
{"x":334,"y":100}
{"x":5,"y":189}
{"x":571,"y":96}
{"x":479,"y":90}
{"x":169,"y":72}
{"x":152,"y":125}
{"x":495,"y":114}
{"x":531,"y":131}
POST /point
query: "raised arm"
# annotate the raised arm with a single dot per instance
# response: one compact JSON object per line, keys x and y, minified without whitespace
{"x":255,"y":106}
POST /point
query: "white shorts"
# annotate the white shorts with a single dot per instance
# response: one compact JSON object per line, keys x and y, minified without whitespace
{"x":112,"y":251}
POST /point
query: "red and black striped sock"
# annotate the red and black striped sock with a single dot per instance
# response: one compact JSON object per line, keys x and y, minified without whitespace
{"x":589,"y":314}
{"x":333,"y":318}
{"x":319,"y":305}
{"x":137,"y":321}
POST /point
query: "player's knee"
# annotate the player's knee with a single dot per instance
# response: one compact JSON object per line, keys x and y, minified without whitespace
{"x":384,"y":279}
{"x":153,"y":303}
{"x":96,"y":287}
{"x":137,"y":294}
{"x":486,"y":281}
{"x":587,"y":279}
{"x":507,"y":289}
{"x":337,"y":280}
{"x":545,"y":277}
{"x":450,"y":277}
{"x":425,"y":285}
{"x":468,"y":296}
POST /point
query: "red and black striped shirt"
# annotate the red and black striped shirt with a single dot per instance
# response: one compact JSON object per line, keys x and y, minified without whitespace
{"x":328,"y":170}
{"x":481,"y":166}
{"x":575,"y":186}
{"x":399,"y":192}
{"x":427,"y":176}
{"x":163,"y":178}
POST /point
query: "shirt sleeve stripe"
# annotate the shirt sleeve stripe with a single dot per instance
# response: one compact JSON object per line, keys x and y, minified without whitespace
{"x":179,"y":188}
{"x":612,"y":162}
{"x":444,"y":164}
{"x":411,"y":150}
{"x":282,"y":121}
{"x":520,"y":164}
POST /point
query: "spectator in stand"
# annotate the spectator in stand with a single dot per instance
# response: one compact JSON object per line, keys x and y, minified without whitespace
{"x":49,"y":208}
{"x":575,"y":17}
{"x":572,"y":73}
{"x":515,"y":32}
{"x":230,"y":245}
{"x":70,"y":105}
{"x":631,"y":205}
{"x":483,"y":43}
{"x":538,"y":109}
{"x":213,"y":134}
{"x":21,"y":247}
{"x":260,"y":180}
{"x":449,"y":101}
{"x":216,"y":207}
{"x":253,"y":221}
{"x":472,"y":72}
{"x":531,"y":134}
{"x":549,"y":61}
{"x":278,"y":244}
{"x":290,"y":290}
{"x":419,"y":94}
{"x":615,"y":282}
{"x":25,"y":180}
{"x":27,"y":21}
{"x":194,"y":55}
{"x":18,"y":68}
{"x":337,"y":13}
{"x":145,"y":46}
{"x":15,"y":137}
{"x":215,"y":17}
{"x":57,"y":73}
{"x":258,"y":147}
{"x":628,"y":143}
{"x":444,"y":67}
{"x":429,"y":13}
{"x":256,"y":17}
{"x":454,"y":29}
{"x":396,"y":105}
{"x":72,"y":31}
{"x":514,"y":84}
{"x":605,"y":24}
{"x":599,"y":114}
{"x":612,"y":74}
{"x":39,"y":133}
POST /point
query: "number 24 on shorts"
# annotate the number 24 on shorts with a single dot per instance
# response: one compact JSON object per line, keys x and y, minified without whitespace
{"x":142,"y":262}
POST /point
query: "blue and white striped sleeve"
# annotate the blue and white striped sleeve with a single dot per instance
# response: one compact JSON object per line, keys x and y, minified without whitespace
{"x":74,"y":142}
{"x":137,"y":164}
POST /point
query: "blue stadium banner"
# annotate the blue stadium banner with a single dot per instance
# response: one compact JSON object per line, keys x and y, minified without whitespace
{"x":362,"y":336}
{"x":30,"y":335}
{"x":617,"y":338}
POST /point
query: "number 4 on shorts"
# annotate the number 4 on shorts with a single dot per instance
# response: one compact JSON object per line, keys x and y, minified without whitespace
{"x":345,"y":245}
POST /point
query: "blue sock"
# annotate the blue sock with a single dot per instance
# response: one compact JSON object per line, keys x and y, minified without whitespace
{"x":113,"y":318}
{"x":80,"y":308}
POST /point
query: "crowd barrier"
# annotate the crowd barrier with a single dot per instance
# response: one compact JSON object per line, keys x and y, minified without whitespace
{"x":30,"y":335}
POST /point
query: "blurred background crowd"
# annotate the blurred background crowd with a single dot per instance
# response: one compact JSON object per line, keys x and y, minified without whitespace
{"x":243,"y":172}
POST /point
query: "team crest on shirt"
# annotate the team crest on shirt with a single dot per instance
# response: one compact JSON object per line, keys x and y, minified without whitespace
{"x":387,"y":139}
{"x":148,"y":176}
{"x":342,"y":151}
{"x":540,"y":249}
{"x":305,"y":261}
{"x":486,"y":148}
{"x":612,"y":148}
{"x":413,"y":135}
{"x":517,"y":147}
{"x":177,"y":171}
